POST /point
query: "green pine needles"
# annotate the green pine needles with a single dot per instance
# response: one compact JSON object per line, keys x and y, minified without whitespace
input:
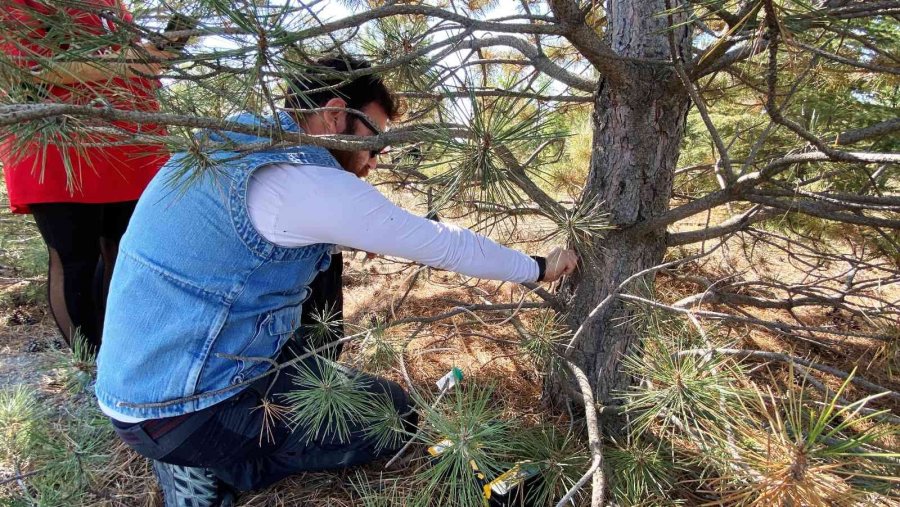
{"x":545,"y":335}
{"x":385,"y":425}
{"x":328,"y":404}
{"x":643,"y":471}
{"x":678,"y":390}
{"x":582,"y":226}
{"x":472,"y":167}
{"x":20,"y":423}
{"x":331,"y":404}
{"x":705,"y":417}
{"x":480,"y":442}
{"x":380,"y":349}
{"x":77,"y":369}
{"x":57,"y":458}
{"x":561,"y":455}
{"x":408,"y":38}
{"x":477,"y":444}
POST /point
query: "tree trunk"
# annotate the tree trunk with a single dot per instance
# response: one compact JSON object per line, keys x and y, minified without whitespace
{"x":639,"y":119}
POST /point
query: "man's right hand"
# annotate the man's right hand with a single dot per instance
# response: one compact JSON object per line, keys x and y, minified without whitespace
{"x":560,"y":262}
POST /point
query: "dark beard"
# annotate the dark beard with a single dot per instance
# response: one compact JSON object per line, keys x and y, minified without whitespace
{"x":345,"y":157}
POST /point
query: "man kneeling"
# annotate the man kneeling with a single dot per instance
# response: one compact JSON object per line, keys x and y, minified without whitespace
{"x":211,"y":277}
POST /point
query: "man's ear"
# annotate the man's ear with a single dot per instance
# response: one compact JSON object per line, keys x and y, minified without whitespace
{"x":335,"y":121}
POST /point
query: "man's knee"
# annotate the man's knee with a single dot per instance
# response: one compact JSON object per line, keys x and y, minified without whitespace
{"x":399,"y":397}
{"x":402,"y":401}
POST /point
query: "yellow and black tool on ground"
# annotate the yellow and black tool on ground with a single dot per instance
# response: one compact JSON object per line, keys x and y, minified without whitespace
{"x":509,"y":489}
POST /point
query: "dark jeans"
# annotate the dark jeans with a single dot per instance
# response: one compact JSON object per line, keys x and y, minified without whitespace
{"x":82,"y":242}
{"x":228,"y":437}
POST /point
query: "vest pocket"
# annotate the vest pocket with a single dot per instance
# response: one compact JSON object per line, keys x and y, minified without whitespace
{"x":271,"y":333}
{"x":285,"y":320}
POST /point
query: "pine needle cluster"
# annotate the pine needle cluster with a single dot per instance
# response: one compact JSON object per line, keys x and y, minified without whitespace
{"x":331,"y":404}
{"x":703,"y":424}
{"x":57,"y":459}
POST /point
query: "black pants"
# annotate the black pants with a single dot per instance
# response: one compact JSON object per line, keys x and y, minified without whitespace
{"x":226,"y":438}
{"x":82,"y":243}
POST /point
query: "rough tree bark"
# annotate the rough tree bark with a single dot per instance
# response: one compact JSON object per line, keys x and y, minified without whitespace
{"x":639,"y":118}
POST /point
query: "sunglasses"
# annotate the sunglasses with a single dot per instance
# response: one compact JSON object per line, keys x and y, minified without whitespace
{"x":371,"y":126}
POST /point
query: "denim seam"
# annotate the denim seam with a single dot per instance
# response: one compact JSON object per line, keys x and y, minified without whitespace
{"x":208,"y":345}
{"x":233,"y":296}
{"x":241,"y":213}
{"x":260,"y":329}
{"x":168,"y":276}
{"x":239,"y":196}
{"x":168,"y":408}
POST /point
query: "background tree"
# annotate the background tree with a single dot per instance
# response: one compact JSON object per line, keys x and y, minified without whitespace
{"x":705,"y":126}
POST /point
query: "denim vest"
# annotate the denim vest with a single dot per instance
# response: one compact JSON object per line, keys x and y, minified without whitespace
{"x":195,"y":283}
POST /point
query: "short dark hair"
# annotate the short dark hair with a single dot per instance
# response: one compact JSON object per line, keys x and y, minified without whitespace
{"x":327,"y":79}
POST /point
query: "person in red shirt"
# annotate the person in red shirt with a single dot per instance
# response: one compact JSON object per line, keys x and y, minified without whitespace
{"x":81,"y":186}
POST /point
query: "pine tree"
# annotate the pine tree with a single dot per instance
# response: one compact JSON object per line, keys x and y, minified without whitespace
{"x":769,"y":122}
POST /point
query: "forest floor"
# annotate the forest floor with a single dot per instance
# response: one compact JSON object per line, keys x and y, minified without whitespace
{"x":486,"y":353}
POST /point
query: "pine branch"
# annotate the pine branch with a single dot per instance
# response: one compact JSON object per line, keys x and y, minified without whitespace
{"x":785,"y":358}
{"x":538,"y":59}
{"x":814,"y":252}
{"x":718,"y":56}
{"x":772,"y":109}
{"x":747,"y":182}
{"x":723,"y":166}
{"x":778,"y":327}
{"x":734,"y":224}
{"x":496,"y":93}
{"x":864,"y":133}
{"x":816,"y":291}
{"x":436,"y":12}
{"x":715,"y":296}
{"x":595,"y":472}
{"x":520,"y":177}
{"x":822,"y":210}
{"x":846,"y":61}
{"x":855,"y":11}
{"x":549,"y":298}
{"x":840,"y":201}
{"x":21,"y":113}
{"x":573,"y":27}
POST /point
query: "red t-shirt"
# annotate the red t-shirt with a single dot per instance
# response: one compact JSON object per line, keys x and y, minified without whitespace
{"x":116,"y":171}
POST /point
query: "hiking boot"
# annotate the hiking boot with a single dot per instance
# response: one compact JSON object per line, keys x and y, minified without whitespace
{"x":191,"y":487}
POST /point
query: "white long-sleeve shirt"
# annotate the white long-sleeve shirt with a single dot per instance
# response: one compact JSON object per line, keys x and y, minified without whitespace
{"x":297,"y":205}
